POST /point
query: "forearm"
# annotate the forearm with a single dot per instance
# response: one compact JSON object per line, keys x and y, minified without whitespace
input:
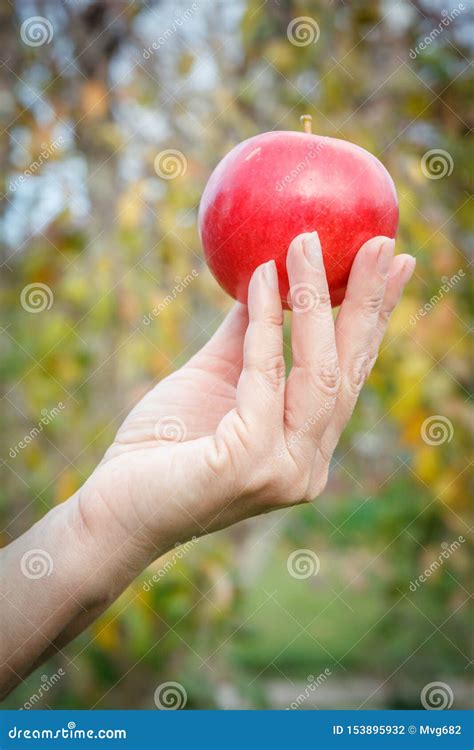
{"x":55,"y":580}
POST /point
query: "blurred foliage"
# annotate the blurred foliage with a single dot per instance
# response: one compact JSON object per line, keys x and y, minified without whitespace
{"x":111,"y":238}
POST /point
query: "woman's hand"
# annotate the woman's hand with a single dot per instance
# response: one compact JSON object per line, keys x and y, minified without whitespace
{"x":226,"y":437}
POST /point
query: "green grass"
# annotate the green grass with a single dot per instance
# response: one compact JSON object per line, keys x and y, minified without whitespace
{"x":301,"y":625}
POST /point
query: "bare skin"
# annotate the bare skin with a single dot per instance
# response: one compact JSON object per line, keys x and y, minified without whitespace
{"x":224,"y":438}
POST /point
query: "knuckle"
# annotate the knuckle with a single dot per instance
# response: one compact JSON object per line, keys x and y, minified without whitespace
{"x":323,"y":301}
{"x":359,"y":372}
{"x":274,"y":319}
{"x":273,"y":369}
{"x":371,"y":303}
{"x":328,"y":378}
{"x":385,"y":314}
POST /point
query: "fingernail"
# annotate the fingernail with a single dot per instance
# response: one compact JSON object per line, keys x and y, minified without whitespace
{"x":385,"y":255}
{"x":269,"y":274}
{"x":407,"y":269}
{"x":312,"y":249}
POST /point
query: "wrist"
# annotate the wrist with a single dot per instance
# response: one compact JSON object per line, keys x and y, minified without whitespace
{"x":115,"y":553}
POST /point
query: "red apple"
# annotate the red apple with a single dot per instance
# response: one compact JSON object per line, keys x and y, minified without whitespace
{"x":274,"y":186}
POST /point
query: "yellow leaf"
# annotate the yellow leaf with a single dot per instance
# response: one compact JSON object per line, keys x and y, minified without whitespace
{"x":130,"y":208}
{"x":426,"y":463}
{"x":106,"y":634}
{"x":94,"y":99}
{"x":185,"y":63}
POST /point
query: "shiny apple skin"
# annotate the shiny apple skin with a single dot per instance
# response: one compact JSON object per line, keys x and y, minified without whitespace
{"x":274,"y":186}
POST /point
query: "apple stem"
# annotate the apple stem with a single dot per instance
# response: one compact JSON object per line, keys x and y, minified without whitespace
{"x":306,"y":120}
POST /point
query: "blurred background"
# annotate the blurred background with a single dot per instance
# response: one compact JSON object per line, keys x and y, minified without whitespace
{"x":113,"y":116}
